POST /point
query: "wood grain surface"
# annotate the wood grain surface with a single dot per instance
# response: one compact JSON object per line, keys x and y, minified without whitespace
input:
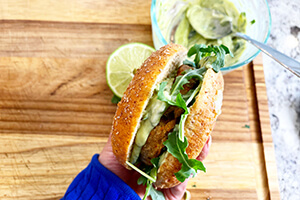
{"x":55,"y":108}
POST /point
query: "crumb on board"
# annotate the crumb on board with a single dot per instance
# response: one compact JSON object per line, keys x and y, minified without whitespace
{"x":246,"y":126}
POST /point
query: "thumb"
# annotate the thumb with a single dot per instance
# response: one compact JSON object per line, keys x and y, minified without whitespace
{"x":205,"y":150}
{"x":176,"y":192}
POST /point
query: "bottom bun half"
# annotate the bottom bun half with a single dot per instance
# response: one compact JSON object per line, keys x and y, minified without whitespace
{"x":199,"y":125}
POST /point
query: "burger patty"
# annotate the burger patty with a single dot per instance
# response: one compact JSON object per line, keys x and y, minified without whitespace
{"x":154,"y":144}
{"x":171,"y":117}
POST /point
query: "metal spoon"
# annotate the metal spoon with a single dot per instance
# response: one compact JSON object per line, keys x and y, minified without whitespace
{"x":219,"y":29}
{"x":288,"y":63}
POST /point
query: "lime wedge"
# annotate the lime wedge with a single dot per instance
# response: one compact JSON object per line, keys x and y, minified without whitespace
{"x":122,"y":63}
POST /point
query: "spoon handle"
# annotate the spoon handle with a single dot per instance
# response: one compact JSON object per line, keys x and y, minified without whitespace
{"x":287,"y":62}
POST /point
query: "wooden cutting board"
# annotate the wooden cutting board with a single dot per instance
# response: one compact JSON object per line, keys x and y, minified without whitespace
{"x":55,"y":108}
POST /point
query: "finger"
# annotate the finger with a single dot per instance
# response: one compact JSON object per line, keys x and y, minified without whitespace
{"x":107,"y":149}
{"x":205,"y":149}
{"x":176,"y":192}
{"x":108,"y":160}
{"x":107,"y":157}
{"x":209,"y":141}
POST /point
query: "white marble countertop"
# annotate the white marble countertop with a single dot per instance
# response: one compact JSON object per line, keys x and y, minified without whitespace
{"x":283,"y":91}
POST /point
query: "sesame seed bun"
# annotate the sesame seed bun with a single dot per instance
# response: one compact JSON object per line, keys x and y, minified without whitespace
{"x":135,"y":99}
{"x":199,"y":123}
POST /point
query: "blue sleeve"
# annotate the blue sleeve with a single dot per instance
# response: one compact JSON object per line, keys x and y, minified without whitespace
{"x":97,"y":182}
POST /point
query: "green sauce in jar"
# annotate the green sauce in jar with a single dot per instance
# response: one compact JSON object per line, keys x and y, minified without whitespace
{"x":197,"y":13}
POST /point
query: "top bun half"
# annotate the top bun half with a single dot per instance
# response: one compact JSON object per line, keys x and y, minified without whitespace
{"x":135,"y":99}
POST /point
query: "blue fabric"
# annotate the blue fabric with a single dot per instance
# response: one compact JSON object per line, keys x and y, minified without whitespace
{"x":97,"y":182}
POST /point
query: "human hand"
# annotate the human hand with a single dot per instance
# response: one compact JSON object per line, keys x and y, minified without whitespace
{"x":108,"y":159}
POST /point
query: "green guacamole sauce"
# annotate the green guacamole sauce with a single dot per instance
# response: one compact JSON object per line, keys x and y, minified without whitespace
{"x":195,"y":13}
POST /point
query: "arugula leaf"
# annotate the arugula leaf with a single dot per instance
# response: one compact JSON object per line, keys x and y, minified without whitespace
{"x":214,"y":54}
{"x":220,"y":61}
{"x":181,"y":80}
{"x":150,"y":190}
{"x":186,"y":172}
{"x":145,"y":174}
{"x":115,"y":99}
{"x":142,"y":180}
{"x":176,"y":99}
{"x":149,"y":185}
{"x":189,"y":63}
{"x":183,"y":116}
{"x":155,"y":162}
{"x":179,"y":102}
{"x":161,"y":95}
{"x":148,"y":177}
{"x":181,"y":125}
{"x":146,"y":170}
{"x":194,"y":50}
{"x":178,"y":84}
{"x":155,"y":194}
{"x":227,"y":51}
{"x":178,"y":149}
{"x":193,"y":94}
{"x":187,"y":95}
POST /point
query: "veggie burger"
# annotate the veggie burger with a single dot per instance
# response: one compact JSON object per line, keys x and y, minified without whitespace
{"x":168,"y":112}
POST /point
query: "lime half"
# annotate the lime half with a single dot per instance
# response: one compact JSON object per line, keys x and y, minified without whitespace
{"x":122,"y":63}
